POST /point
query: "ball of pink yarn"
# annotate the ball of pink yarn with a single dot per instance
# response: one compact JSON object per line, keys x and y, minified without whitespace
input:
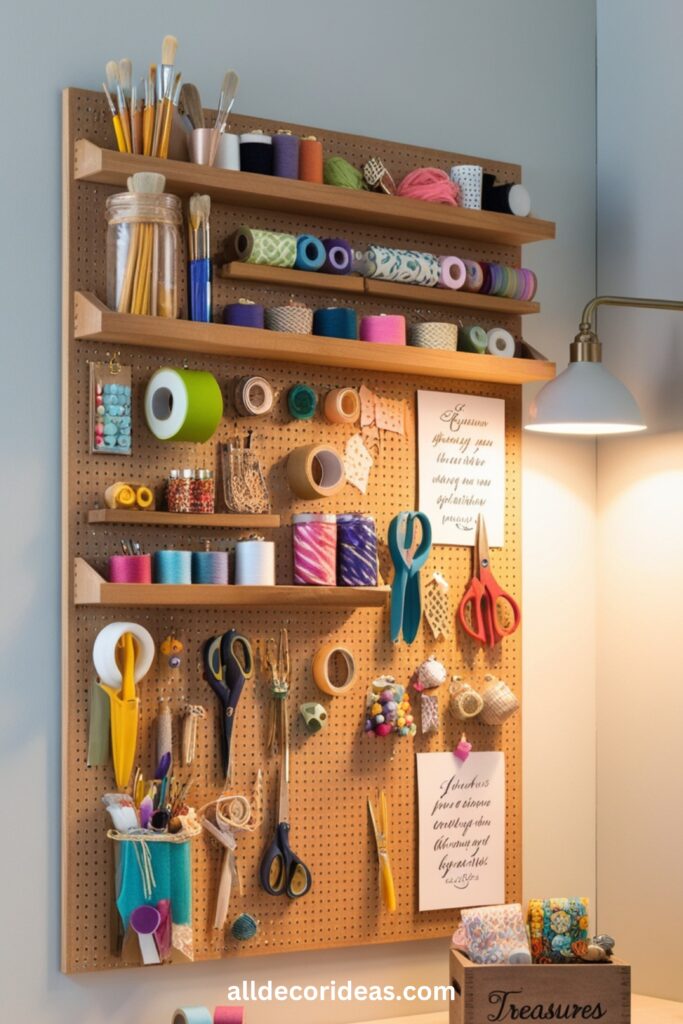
{"x":431,"y":184}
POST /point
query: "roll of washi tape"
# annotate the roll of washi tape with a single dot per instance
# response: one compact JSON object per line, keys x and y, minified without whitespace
{"x":310,"y":253}
{"x":253,"y":396}
{"x":183,"y":405}
{"x":267,"y":248}
{"x":228,"y":1015}
{"x":383,"y":329}
{"x":244,"y":314}
{"x":532,"y":285}
{"x":500,"y":343}
{"x":228,"y":152}
{"x":105,"y":649}
{"x":130,"y":569}
{"x":356,"y":551}
{"x":285,"y":154}
{"x":256,"y":153}
{"x":311,"y":159}
{"x":301,"y":402}
{"x":405,"y":265}
{"x":314,"y":549}
{"x":210,"y":567}
{"x":255,"y":563}
{"x":173,"y":567}
{"x":119,"y":495}
{"x":192,"y":1015}
{"x":338,"y":255}
{"x":472,"y":339}
{"x":452,"y":272}
{"x":315,"y":471}
{"x":342,"y":405}
{"x":144,"y":497}
{"x":321,"y":669}
{"x":336,"y":322}
{"x":434,"y":335}
{"x":475,"y":276}
{"x":294,"y":318}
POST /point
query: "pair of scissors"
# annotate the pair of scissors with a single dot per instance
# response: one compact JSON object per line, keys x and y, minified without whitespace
{"x":408,"y":556}
{"x":226,"y":671}
{"x":281,"y":870}
{"x":478,"y":611}
{"x":380,"y":825}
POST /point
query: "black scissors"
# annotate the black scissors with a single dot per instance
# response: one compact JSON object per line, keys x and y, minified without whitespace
{"x":226,"y":673}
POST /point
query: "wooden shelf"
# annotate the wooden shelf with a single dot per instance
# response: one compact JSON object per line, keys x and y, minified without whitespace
{"x":94,"y":322}
{"x":90,"y":589}
{"x":388,"y":290}
{"x":239,"y":188}
{"x":229,"y":521}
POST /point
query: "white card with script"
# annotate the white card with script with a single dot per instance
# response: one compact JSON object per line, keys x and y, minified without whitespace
{"x":462,"y":830}
{"x":461,"y":455}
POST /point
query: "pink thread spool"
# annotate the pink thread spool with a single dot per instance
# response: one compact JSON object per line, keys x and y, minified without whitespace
{"x":314,"y":542}
{"x":130,"y":569}
{"x":383,"y":329}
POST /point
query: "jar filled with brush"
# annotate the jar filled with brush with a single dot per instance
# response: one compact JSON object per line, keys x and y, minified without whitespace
{"x":143,"y":248}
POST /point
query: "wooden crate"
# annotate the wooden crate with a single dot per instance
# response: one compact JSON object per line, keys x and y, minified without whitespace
{"x":492,"y":994}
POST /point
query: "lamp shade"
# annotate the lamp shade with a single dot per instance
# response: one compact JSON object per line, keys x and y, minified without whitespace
{"x":585,"y":399}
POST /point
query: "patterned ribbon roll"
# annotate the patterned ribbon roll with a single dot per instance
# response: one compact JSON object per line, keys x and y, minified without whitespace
{"x":269,"y":248}
{"x":404,"y":265}
{"x":434,"y":335}
{"x":243,"y":314}
{"x":475,"y":276}
{"x":452,"y":272}
{"x":315,"y":549}
{"x":310,"y":253}
{"x":356,"y":551}
{"x":336,"y":322}
{"x":210,"y":567}
{"x":295,"y":318}
{"x":338,"y":256}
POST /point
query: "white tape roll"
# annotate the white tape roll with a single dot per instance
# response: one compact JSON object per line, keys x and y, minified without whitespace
{"x":255,"y":563}
{"x":104,"y":652}
{"x":253,"y":396}
{"x":500,"y":343}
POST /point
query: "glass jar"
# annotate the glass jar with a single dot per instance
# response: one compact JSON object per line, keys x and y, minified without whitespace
{"x":203,"y":491}
{"x":179,"y":490}
{"x":143,"y":253}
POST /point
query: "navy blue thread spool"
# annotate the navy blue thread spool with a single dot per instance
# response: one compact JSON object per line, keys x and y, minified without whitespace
{"x":336,"y":322}
{"x":285,"y":154}
{"x":256,"y":153}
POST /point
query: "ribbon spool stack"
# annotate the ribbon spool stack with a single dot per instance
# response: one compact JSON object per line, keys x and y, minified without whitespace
{"x":244,"y":314}
{"x":310,"y":253}
{"x":266,"y":248}
{"x":336,"y":322}
{"x":356,"y":551}
{"x":314,"y":543}
{"x":383,"y":329}
{"x":497,"y":279}
{"x":255,"y":562}
{"x":210,"y":567}
{"x":294,"y":318}
{"x":183,"y":405}
{"x":434,"y":335}
{"x":253,"y":396}
{"x":174,"y":567}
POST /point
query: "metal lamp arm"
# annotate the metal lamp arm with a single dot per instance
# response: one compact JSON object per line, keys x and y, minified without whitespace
{"x":586,"y":348}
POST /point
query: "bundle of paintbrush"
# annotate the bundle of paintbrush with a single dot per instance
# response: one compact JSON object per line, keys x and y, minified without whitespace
{"x":143,"y":116}
{"x":199,"y":265}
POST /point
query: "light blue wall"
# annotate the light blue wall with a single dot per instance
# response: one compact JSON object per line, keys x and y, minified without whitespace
{"x":511,"y":80}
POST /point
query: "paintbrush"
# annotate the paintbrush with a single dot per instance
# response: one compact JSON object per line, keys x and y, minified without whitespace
{"x":190,"y":105}
{"x":148,"y":113}
{"x":114,"y":83}
{"x":170,"y":104}
{"x":231,"y":81}
{"x":164,"y":86}
{"x":116,"y":121}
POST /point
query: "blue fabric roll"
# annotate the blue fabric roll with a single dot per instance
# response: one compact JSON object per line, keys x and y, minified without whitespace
{"x":172,"y":875}
{"x":336,"y":322}
{"x":310,"y":253}
{"x":356,"y":551}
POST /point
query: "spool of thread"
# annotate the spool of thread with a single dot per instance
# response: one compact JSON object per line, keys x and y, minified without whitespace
{"x":173,"y":566}
{"x":243,"y":314}
{"x":342,"y":405}
{"x":314,"y":546}
{"x":338,"y":255}
{"x":130,"y":569}
{"x":253,"y":396}
{"x":285,"y":154}
{"x":228,"y":152}
{"x":244,"y":927}
{"x":119,"y":495}
{"x":315,"y":471}
{"x":472,"y":339}
{"x":452,"y":272}
{"x":311,"y":159}
{"x":336,"y":322}
{"x":383,"y":329}
{"x":338,"y":171}
{"x":434,"y":335}
{"x":266,"y":248}
{"x":255,"y":563}
{"x":475,"y":276}
{"x":294,"y":318}
{"x":356,"y":551}
{"x":301,"y":402}
{"x":310,"y":253}
{"x":210,"y":567}
{"x":256,"y":153}
{"x":229,"y":1014}
{"x":183,"y":405}
{"x":500,"y":343}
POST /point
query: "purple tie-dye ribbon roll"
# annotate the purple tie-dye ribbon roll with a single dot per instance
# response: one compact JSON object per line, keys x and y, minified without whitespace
{"x":356,"y":551}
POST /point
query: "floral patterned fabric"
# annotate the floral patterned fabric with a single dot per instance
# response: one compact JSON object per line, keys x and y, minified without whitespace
{"x":493,"y":935}
{"x":554,"y":926}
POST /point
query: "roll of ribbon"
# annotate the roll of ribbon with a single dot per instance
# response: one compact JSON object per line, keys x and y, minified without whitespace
{"x":267,"y":248}
{"x":314,"y":549}
{"x":474,"y":278}
{"x":404,"y":265}
{"x":228,"y":1015}
{"x":452,"y":272}
{"x":310,"y":253}
{"x":336,"y":322}
{"x":144,"y":497}
{"x":210,"y":567}
{"x":255,"y":563}
{"x":256,"y":153}
{"x":192,"y":1015}
{"x":356,"y":551}
{"x":434,"y":335}
{"x":285,"y":154}
{"x":338,"y":256}
{"x":228,"y":152}
{"x":244,"y":314}
{"x":183,"y":405}
{"x":315,"y":471}
{"x":509,"y":198}
{"x":294,"y":318}
{"x":500,"y":343}
{"x":119,"y":495}
{"x":383,"y":329}
{"x":311,"y":159}
{"x":253,"y":396}
{"x":105,"y":650}
{"x":130,"y":569}
{"x":301,"y":402}
{"x":173,"y":567}
{"x":342,"y":405}
{"x":472,"y":339}
{"x":321,"y":669}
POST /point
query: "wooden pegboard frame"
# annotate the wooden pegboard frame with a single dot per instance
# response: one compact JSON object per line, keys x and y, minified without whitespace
{"x":332,"y":773}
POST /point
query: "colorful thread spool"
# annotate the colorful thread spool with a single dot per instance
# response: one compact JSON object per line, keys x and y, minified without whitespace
{"x":210,"y":567}
{"x":256,"y":153}
{"x":173,"y":567}
{"x":244,"y":314}
{"x":310,"y":253}
{"x":311,"y":159}
{"x":383,"y":329}
{"x":314,"y":543}
{"x":130,"y":569}
{"x":336,"y":322}
{"x":301,"y":402}
{"x":338,"y":256}
{"x":356,"y":551}
{"x":452,"y":272}
{"x":285,"y":154}
{"x":294,"y":318}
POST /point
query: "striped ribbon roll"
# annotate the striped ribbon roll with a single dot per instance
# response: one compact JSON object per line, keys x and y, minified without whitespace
{"x":434,"y":335}
{"x":294,"y":318}
{"x":172,"y":566}
{"x":314,"y":540}
{"x":404,"y":265}
{"x":210,"y":567}
{"x":356,"y":551}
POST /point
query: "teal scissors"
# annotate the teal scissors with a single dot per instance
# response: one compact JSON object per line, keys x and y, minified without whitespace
{"x":408,"y":558}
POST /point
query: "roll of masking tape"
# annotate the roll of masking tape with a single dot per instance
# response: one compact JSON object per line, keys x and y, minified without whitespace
{"x":183,"y":405}
{"x":452,"y":272}
{"x":500,"y":343}
{"x":119,"y":495}
{"x":192,"y":1015}
{"x":321,"y":669}
{"x":104,"y":652}
{"x":268,"y":248}
{"x":228,"y":1015}
{"x":253,"y":396}
{"x":472,"y":339}
{"x":315,"y":471}
{"x":342,"y":405}
{"x":144,"y":497}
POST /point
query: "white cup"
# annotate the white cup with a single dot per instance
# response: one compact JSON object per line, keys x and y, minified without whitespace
{"x":228,"y":153}
{"x":469,"y":177}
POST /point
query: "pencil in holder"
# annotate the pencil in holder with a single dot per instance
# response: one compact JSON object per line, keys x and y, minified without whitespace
{"x":130,"y":569}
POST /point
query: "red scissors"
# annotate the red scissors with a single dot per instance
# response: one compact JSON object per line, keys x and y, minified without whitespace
{"x":482,"y":597}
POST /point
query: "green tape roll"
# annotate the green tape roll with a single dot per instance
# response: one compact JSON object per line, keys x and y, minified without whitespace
{"x":183,"y":405}
{"x":271,"y":248}
{"x":472,"y":339}
{"x":301,"y":402}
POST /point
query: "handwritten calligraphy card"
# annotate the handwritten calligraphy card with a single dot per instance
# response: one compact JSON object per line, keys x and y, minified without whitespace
{"x":461,"y":452}
{"x":462,"y":830}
